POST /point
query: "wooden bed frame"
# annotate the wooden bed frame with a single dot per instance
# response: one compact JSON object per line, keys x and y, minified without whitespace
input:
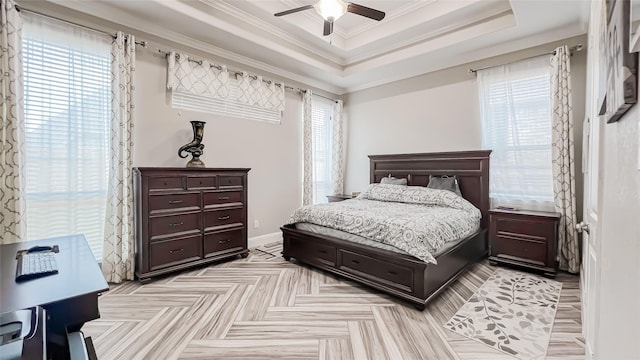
{"x":401,"y":275}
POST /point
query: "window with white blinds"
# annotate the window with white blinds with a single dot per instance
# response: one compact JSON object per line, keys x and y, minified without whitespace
{"x":67,"y":97}
{"x":230,"y":106}
{"x":322,"y":147}
{"x":515,"y":102}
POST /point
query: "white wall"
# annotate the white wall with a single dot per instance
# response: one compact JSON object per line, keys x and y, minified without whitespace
{"x":617,"y":333}
{"x":435,"y":112}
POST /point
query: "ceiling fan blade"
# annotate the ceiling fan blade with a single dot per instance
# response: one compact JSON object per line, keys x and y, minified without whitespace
{"x":328,"y":27}
{"x":365,"y":11}
{"x":291,"y":11}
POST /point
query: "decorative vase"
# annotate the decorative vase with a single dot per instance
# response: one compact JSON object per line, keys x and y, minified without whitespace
{"x":195,"y":147}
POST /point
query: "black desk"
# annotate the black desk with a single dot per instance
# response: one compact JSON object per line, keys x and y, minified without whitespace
{"x":69,"y":297}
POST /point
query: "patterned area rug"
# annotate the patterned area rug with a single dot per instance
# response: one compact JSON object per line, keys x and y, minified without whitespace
{"x":512,"y":312}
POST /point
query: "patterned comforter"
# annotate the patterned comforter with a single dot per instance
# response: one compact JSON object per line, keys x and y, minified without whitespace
{"x":414,"y":219}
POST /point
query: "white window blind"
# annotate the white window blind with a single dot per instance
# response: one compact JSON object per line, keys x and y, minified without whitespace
{"x":67,"y":92}
{"x":515,"y":102}
{"x":322,"y":148}
{"x":230,"y":106}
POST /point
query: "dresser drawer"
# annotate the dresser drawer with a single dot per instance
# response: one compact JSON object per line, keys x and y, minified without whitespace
{"x":369,"y":268}
{"x":166,"y":183}
{"x":229,"y":181}
{"x":201,"y":182}
{"x":173,"y":202}
{"x":163,"y":226}
{"x":174,"y":252}
{"x":519,"y":247}
{"x":221,"y":242}
{"x":223,"y":197}
{"x":215,"y":218}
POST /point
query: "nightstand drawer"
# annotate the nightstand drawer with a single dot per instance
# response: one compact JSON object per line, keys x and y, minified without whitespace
{"x":516,"y":246}
{"x":531,"y":227}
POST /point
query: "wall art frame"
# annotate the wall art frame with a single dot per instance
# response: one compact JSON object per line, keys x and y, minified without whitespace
{"x":618,"y":66}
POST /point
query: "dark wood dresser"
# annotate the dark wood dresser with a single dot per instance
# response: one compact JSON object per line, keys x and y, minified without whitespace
{"x":187,"y":217}
{"x":525,"y":238}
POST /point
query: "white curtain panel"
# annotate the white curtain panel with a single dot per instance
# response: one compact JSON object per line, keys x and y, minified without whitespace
{"x":257,"y":92}
{"x":337,"y":164}
{"x":307,"y":140}
{"x":564,"y":187}
{"x":197,"y":77}
{"x":12,"y":176}
{"x":118,"y":250}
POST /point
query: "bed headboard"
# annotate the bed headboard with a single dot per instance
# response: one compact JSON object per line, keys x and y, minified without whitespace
{"x":471,"y":168}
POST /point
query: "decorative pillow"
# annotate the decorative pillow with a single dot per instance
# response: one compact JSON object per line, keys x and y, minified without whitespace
{"x":444,"y":183}
{"x":418,"y":195}
{"x":393,"y":181}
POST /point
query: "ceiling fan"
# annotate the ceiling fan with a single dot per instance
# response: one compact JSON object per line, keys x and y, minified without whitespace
{"x":331,"y":10}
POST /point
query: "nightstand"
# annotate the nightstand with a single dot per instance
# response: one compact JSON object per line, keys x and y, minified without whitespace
{"x":527,"y":239}
{"x":338,"y":197}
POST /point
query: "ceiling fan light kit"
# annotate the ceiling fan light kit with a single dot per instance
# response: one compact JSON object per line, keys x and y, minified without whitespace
{"x":332,"y":10}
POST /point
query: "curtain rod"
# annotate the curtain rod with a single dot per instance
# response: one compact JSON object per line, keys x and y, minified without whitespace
{"x":571,"y":51}
{"x":144,"y":44}
{"x":236,"y":72}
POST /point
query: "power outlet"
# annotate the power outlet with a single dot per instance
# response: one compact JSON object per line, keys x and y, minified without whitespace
{"x":256,"y":224}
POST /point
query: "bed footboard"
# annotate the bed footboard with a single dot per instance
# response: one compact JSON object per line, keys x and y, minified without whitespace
{"x":400,"y":275}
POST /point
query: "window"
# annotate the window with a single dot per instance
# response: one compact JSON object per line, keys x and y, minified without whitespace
{"x":67,"y":97}
{"x":515,"y":103}
{"x":322,"y":153}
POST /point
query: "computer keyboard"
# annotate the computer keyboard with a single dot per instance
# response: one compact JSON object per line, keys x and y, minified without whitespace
{"x":36,"y":264}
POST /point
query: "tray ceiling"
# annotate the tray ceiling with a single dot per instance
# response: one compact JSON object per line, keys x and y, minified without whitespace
{"x":415,"y":37}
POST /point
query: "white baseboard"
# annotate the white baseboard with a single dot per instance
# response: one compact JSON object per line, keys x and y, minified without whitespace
{"x":256,"y":241}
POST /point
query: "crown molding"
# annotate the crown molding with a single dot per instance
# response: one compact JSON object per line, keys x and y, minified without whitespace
{"x":390,"y":16}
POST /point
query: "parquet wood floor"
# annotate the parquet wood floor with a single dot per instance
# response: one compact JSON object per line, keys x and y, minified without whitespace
{"x":262,"y":307}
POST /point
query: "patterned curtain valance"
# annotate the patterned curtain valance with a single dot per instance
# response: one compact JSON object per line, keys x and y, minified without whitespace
{"x":257,"y":92}
{"x":205,"y":78}
{"x":197,"y":77}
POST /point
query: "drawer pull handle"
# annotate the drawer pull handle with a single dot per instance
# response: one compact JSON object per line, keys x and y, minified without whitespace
{"x":355,"y":261}
{"x":322,"y":251}
{"x":224,"y":241}
{"x":176,"y":224}
{"x":223,"y":198}
{"x":175,"y":201}
{"x":392,"y":273}
{"x":175,"y":251}
{"x":227,"y":217}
